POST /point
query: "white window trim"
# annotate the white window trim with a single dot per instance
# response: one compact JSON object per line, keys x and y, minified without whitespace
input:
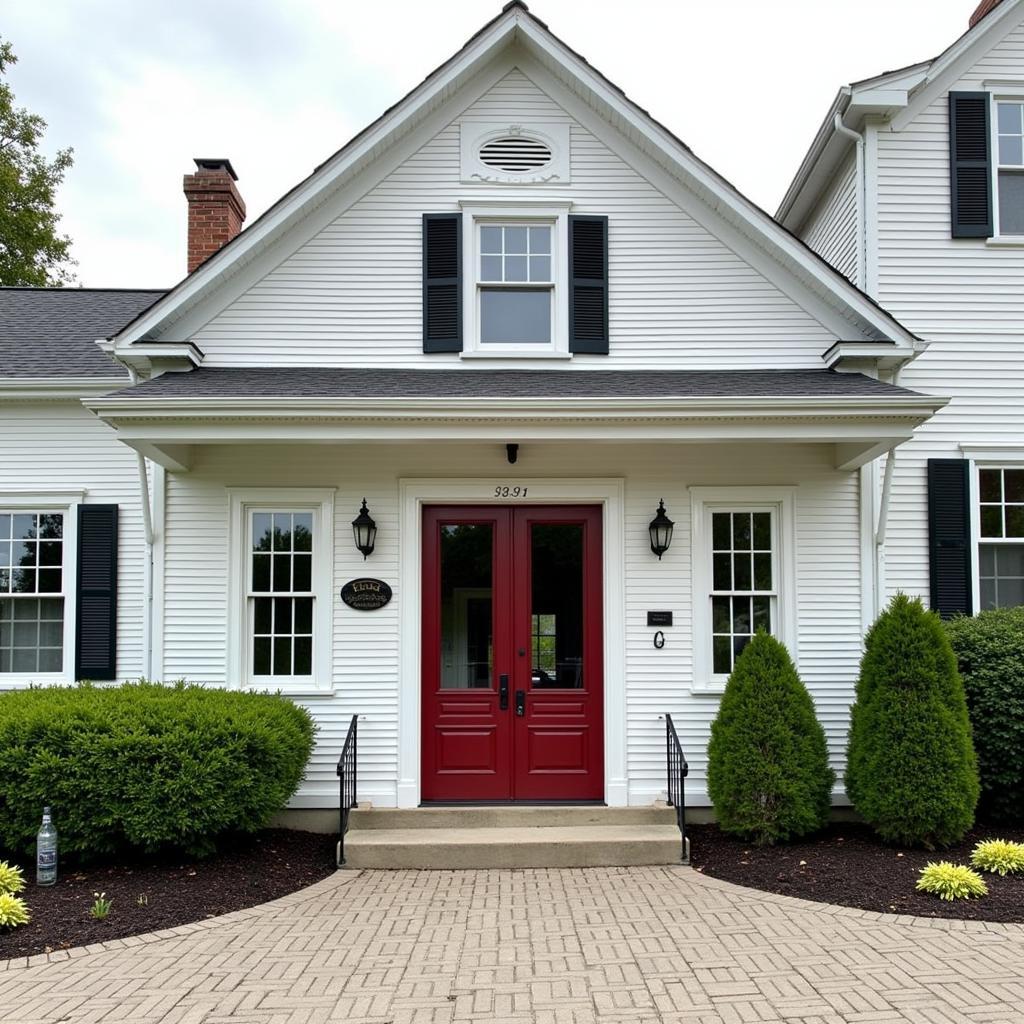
{"x":995,"y":98}
{"x":554,"y":212}
{"x":985,"y":459}
{"x":66,"y":503}
{"x":704,"y":501}
{"x":319,"y":501}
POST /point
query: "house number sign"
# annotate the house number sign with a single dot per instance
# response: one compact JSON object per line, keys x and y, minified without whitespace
{"x":366,"y":595}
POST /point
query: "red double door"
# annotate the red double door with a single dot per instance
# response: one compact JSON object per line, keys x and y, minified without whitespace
{"x":512,"y":654}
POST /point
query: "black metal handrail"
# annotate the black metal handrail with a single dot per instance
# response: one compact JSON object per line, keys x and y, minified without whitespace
{"x":678,"y":769}
{"x":347,"y":783}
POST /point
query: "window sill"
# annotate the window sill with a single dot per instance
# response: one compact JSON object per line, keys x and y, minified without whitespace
{"x":518,"y":354}
{"x":1006,"y":242}
{"x":292,"y":691}
{"x":708,"y":689}
{"x":22,"y":681}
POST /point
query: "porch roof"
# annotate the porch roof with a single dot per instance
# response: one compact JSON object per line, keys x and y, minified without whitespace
{"x":166,"y":417}
{"x":347,"y":382}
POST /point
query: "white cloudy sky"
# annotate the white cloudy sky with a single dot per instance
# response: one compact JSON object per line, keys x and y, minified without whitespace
{"x":139,"y":87}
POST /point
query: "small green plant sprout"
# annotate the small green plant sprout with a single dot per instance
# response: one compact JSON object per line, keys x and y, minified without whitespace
{"x":997,"y":856}
{"x":142,"y":900}
{"x":100,"y":910}
{"x":11,"y":878}
{"x":12,"y":911}
{"x":951,"y":881}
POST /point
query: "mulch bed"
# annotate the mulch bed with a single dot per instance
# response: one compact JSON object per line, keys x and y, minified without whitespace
{"x":846,"y":864}
{"x":250,"y":870}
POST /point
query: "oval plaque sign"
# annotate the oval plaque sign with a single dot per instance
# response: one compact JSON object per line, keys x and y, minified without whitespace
{"x":366,"y":595}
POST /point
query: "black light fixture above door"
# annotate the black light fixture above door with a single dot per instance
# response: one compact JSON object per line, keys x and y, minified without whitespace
{"x":365,"y":531}
{"x":661,"y":531}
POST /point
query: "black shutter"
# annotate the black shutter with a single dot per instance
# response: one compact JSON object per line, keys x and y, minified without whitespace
{"x":96,"y":632}
{"x":442,"y":282}
{"x":949,"y":536}
{"x":588,"y":284}
{"x":970,"y":165}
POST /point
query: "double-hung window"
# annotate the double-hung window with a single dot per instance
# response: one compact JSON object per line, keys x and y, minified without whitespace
{"x":743,"y":575}
{"x":516,"y":283}
{"x":1009,"y":153}
{"x":1000,"y":537}
{"x":32,"y":598}
{"x":281,"y":607}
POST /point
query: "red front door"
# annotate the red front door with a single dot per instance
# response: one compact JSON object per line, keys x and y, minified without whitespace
{"x":512,"y":654}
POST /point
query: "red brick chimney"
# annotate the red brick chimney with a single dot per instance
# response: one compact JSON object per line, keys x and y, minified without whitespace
{"x":981,"y":10}
{"x":215,"y":209}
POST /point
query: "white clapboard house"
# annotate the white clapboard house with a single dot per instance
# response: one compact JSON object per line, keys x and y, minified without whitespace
{"x":513,"y":316}
{"x":914,"y":189}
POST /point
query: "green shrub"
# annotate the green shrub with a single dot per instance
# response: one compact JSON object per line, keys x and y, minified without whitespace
{"x":11,"y":878}
{"x":951,"y":881}
{"x":911,"y":771}
{"x":990,"y":649}
{"x":768,"y":771}
{"x":998,"y":857}
{"x":146,"y":767}
{"x":12,"y":911}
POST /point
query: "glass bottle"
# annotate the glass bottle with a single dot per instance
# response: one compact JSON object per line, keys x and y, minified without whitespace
{"x":46,"y":851}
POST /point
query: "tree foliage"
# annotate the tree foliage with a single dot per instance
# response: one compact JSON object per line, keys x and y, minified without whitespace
{"x":768,"y":771}
{"x":31,"y":250}
{"x":911,"y":770}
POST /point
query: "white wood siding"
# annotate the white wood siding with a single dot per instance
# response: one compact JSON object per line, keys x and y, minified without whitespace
{"x":963,"y":297}
{"x":831,"y":228}
{"x":352,"y":295}
{"x":366,"y":646}
{"x":57,"y":444}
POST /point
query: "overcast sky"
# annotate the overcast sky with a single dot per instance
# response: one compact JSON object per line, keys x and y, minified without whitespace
{"x":139,"y":87}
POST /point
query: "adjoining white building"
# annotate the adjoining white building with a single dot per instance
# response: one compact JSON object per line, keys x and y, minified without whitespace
{"x":514,"y":315}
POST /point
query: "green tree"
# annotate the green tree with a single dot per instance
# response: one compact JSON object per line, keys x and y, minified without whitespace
{"x":911,"y":770}
{"x":768,"y":771}
{"x":31,"y":250}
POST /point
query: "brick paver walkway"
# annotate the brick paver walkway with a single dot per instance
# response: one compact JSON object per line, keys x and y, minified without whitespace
{"x":594,"y":946}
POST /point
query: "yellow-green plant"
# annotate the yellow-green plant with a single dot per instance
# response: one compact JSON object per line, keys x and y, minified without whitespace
{"x":12,"y":911}
{"x":100,"y":910}
{"x":997,"y":856}
{"x":951,"y":881}
{"x":11,"y":878}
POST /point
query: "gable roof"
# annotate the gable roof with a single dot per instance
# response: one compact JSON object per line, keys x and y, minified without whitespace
{"x":52,"y":332}
{"x":195,"y":299}
{"x":896,"y":95}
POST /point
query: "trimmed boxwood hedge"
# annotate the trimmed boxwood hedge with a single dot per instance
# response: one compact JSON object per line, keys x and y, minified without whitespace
{"x":144,"y":767}
{"x":990,"y":650}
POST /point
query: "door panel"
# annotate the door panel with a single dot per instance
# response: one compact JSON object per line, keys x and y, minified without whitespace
{"x":512,"y":654}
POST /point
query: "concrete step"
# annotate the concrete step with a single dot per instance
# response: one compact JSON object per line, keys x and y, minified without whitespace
{"x":549,"y":846}
{"x":509,"y":816}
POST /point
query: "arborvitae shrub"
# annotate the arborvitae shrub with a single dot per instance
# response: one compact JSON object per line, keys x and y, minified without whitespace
{"x":144,"y":767}
{"x":990,"y":650}
{"x":911,"y":770}
{"x":768,"y":771}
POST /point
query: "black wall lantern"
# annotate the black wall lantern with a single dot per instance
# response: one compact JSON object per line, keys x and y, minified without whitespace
{"x":661,"y":531}
{"x":365,"y":530}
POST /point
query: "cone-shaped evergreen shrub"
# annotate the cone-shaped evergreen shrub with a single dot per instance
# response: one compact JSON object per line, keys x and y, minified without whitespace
{"x":768,"y":771}
{"x":911,"y":771}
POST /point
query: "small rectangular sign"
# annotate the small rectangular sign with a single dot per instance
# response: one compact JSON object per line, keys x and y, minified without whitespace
{"x":659,"y":618}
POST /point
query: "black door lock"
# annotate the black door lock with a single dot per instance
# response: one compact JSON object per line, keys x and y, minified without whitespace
{"x":520,"y":703}
{"x":503,"y":693}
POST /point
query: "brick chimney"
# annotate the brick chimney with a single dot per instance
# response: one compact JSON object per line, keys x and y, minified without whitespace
{"x":215,"y":209}
{"x":981,"y":10}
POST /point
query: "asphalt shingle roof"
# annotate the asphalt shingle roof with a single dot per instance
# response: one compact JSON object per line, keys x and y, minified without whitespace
{"x":51,"y":332}
{"x":313,"y":382}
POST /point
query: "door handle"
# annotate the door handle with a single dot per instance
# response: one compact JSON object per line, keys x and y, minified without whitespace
{"x":503,"y":693}
{"x":520,"y":703}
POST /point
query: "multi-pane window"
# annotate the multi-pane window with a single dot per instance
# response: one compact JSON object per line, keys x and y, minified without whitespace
{"x":1001,"y":541}
{"x":743,"y":575}
{"x":1010,"y":168}
{"x":516,"y":284}
{"x":544,"y":649}
{"x":31,"y":592}
{"x":281,"y":597}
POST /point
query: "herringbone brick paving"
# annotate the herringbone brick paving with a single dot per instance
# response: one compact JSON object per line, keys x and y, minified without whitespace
{"x":588,"y":946}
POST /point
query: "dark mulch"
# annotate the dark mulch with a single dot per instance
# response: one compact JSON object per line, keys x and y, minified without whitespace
{"x":250,"y":870}
{"x":846,"y":864}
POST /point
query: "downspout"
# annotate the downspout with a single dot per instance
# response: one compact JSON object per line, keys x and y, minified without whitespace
{"x":859,"y":176}
{"x":883,"y":517}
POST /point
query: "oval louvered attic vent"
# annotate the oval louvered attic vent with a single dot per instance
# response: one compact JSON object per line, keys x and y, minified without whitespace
{"x":515,"y":153}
